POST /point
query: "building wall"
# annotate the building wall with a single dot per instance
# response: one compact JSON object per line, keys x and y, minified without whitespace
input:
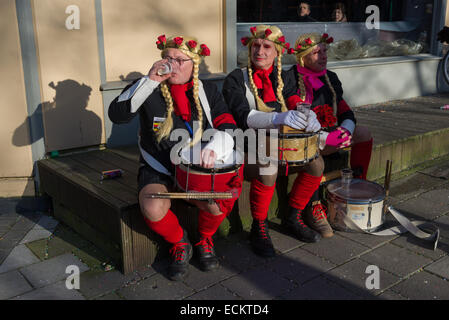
{"x":15,"y":155}
{"x":131,"y":29}
{"x":70,"y":75}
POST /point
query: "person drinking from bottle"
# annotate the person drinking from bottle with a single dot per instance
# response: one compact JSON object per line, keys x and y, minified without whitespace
{"x":172,"y":97}
{"x":259,"y":96}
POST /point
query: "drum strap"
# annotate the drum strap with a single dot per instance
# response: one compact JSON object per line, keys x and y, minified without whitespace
{"x":249,"y":96}
{"x":205,"y":104}
{"x":405,"y":225}
{"x":152,"y":162}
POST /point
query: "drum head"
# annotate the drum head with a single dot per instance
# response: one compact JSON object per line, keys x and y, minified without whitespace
{"x":357,"y":191}
{"x":232,"y":158}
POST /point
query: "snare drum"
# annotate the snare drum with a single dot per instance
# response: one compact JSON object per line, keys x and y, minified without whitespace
{"x":359,"y":200}
{"x":226,"y":176}
{"x":296,"y":147}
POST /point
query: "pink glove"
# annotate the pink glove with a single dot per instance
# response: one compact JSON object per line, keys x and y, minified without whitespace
{"x":339,"y":138}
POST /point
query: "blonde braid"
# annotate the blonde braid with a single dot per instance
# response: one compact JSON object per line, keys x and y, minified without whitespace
{"x":280,"y":84}
{"x":167,"y":125}
{"x":302,"y":87}
{"x":196,"y":88}
{"x":334,"y":94}
{"x":261,"y":106}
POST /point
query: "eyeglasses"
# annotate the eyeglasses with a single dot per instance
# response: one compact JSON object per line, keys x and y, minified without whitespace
{"x":179,"y":61}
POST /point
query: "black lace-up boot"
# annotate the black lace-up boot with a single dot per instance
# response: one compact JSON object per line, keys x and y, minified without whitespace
{"x":260,"y":239}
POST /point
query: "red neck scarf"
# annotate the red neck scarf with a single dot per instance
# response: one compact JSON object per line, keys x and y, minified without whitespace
{"x":311,"y":81}
{"x":181,"y":102}
{"x":262,"y":81}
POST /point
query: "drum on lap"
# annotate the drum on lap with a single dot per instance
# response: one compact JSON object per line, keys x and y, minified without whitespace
{"x":225,"y":176}
{"x":297,"y":147}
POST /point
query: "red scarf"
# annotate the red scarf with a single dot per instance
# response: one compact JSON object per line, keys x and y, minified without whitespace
{"x":262,"y":81}
{"x":181,"y":102}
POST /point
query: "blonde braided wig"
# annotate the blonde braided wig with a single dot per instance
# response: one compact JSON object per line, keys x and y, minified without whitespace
{"x":276,"y":36}
{"x":302,"y":48}
{"x":188,"y":46}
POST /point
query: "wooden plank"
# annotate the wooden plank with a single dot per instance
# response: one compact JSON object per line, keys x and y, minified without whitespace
{"x":128,"y":152}
{"x":64,"y":171}
{"x":128,"y":180}
{"x":112,"y":249}
{"x":117,"y":160}
{"x":89,"y":206}
{"x":78,"y":172}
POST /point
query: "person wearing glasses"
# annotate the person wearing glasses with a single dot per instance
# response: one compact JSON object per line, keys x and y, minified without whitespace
{"x":172,"y":97}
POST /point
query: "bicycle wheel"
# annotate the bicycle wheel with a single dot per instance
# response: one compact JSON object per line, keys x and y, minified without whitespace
{"x":446,"y":67}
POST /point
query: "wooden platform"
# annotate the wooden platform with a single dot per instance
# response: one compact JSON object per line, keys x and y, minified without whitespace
{"x":107,"y":213}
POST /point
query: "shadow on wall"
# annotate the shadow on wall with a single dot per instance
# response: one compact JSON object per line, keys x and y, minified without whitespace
{"x":66,"y":121}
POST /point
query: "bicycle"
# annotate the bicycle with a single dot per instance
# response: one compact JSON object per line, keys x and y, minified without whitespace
{"x":443,"y":37}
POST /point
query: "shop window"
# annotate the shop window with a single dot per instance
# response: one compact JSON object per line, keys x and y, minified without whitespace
{"x":405,"y":26}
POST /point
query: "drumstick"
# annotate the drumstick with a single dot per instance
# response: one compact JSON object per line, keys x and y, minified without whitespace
{"x":387,"y":181}
{"x":190,"y":195}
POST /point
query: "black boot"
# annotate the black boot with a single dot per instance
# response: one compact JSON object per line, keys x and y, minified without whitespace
{"x":180,"y":254}
{"x":260,"y":239}
{"x":206,"y":254}
{"x":295,"y":224}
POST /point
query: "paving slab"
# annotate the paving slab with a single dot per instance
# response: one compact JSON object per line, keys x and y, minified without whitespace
{"x":440,"y":267}
{"x":12,"y":238}
{"x":336,"y":249}
{"x":421,"y":208}
{"x":47,"y":222}
{"x":236,"y":254}
{"x":422,"y":247}
{"x":423,"y":286}
{"x":353,"y":276}
{"x":368,"y":240}
{"x":12,"y":284}
{"x":36,"y":234}
{"x":156,"y":287}
{"x":443,"y":224}
{"x":94,"y":284}
{"x":391,"y":295}
{"x":50,"y":271}
{"x":284,"y":242}
{"x":56,"y":291}
{"x":320,"y":289}
{"x":413,"y":185}
{"x":299,"y":265}
{"x":199,"y":280}
{"x":258,"y":284}
{"x":441,"y":171}
{"x":8,"y":206}
{"x":19,"y":257}
{"x":110,"y":296}
{"x":396,"y":260}
{"x":216,"y":292}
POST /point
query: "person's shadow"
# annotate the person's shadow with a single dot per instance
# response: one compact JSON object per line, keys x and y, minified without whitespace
{"x":66,"y":122}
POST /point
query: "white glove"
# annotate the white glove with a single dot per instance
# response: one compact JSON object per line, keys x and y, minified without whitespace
{"x":221,"y":143}
{"x":313,"y":123}
{"x":292,"y":118}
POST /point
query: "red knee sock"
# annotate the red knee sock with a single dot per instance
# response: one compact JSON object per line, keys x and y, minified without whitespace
{"x":169,"y":227}
{"x":209,"y":223}
{"x":361,"y":156}
{"x":303,"y":188}
{"x":260,"y":198}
